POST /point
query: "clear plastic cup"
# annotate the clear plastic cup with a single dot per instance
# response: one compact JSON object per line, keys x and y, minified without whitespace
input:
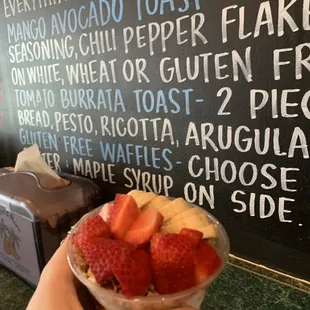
{"x":115,"y":301}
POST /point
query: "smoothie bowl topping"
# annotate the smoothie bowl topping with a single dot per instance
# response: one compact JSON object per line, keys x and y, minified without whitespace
{"x":145,"y":245}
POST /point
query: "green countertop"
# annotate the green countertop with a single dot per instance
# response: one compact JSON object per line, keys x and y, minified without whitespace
{"x":236,"y":289}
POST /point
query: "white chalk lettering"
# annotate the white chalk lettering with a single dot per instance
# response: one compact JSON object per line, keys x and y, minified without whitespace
{"x":88,"y":73}
{"x":78,"y":123}
{"x":135,"y":178}
{"x":199,"y":195}
{"x":243,"y":139}
{"x":94,"y":170}
{"x":261,"y":205}
{"x":155,"y":34}
{"x":286,"y":107}
{"x":221,"y":65}
{"x":15,"y":7}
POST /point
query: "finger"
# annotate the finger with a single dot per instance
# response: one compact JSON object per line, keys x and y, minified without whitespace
{"x":60,"y":256}
{"x":58,"y":264}
{"x":185,"y":308}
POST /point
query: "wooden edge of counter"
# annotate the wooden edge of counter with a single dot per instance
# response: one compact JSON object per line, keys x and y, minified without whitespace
{"x":270,"y":274}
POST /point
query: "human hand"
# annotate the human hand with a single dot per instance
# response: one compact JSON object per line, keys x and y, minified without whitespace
{"x":57,"y":289}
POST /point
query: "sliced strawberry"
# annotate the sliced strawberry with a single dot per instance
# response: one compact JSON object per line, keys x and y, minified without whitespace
{"x":194,"y":235}
{"x":207,"y":261}
{"x":102,"y":254}
{"x":173,"y":262}
{"x":147,"y":224}
{"x":94,"y":227}
{"x":124,"y":214}
{"x":134,"y":273}
{"x":106,"y":212}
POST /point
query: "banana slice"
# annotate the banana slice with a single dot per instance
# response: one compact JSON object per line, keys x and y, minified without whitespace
{"x":174,"y":208}
{"x":201,"y":217}
{"x":135,"y":193}
{"x":144,"y":199}
{"x":209,"y":231}
{"x":157,"y":203}
{"x":192,"y":222}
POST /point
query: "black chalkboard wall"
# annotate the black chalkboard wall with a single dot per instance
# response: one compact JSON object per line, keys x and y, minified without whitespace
{"x":203,"y":99}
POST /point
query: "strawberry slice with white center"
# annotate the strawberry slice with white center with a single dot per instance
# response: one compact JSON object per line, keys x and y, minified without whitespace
{"x":92,"y":228}
{"x":134,"y":273}
{"x":124,"y":214}
{"x":102,"y":254}
{"x":147,"y":224}
{"x":207,"y":261}
{"x":106,"y":212}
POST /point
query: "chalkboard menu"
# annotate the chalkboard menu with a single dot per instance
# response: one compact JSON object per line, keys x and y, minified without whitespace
{"x":203,"y":99}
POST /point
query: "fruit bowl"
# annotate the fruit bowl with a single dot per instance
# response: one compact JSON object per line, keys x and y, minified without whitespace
{"x":111,"y":300}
